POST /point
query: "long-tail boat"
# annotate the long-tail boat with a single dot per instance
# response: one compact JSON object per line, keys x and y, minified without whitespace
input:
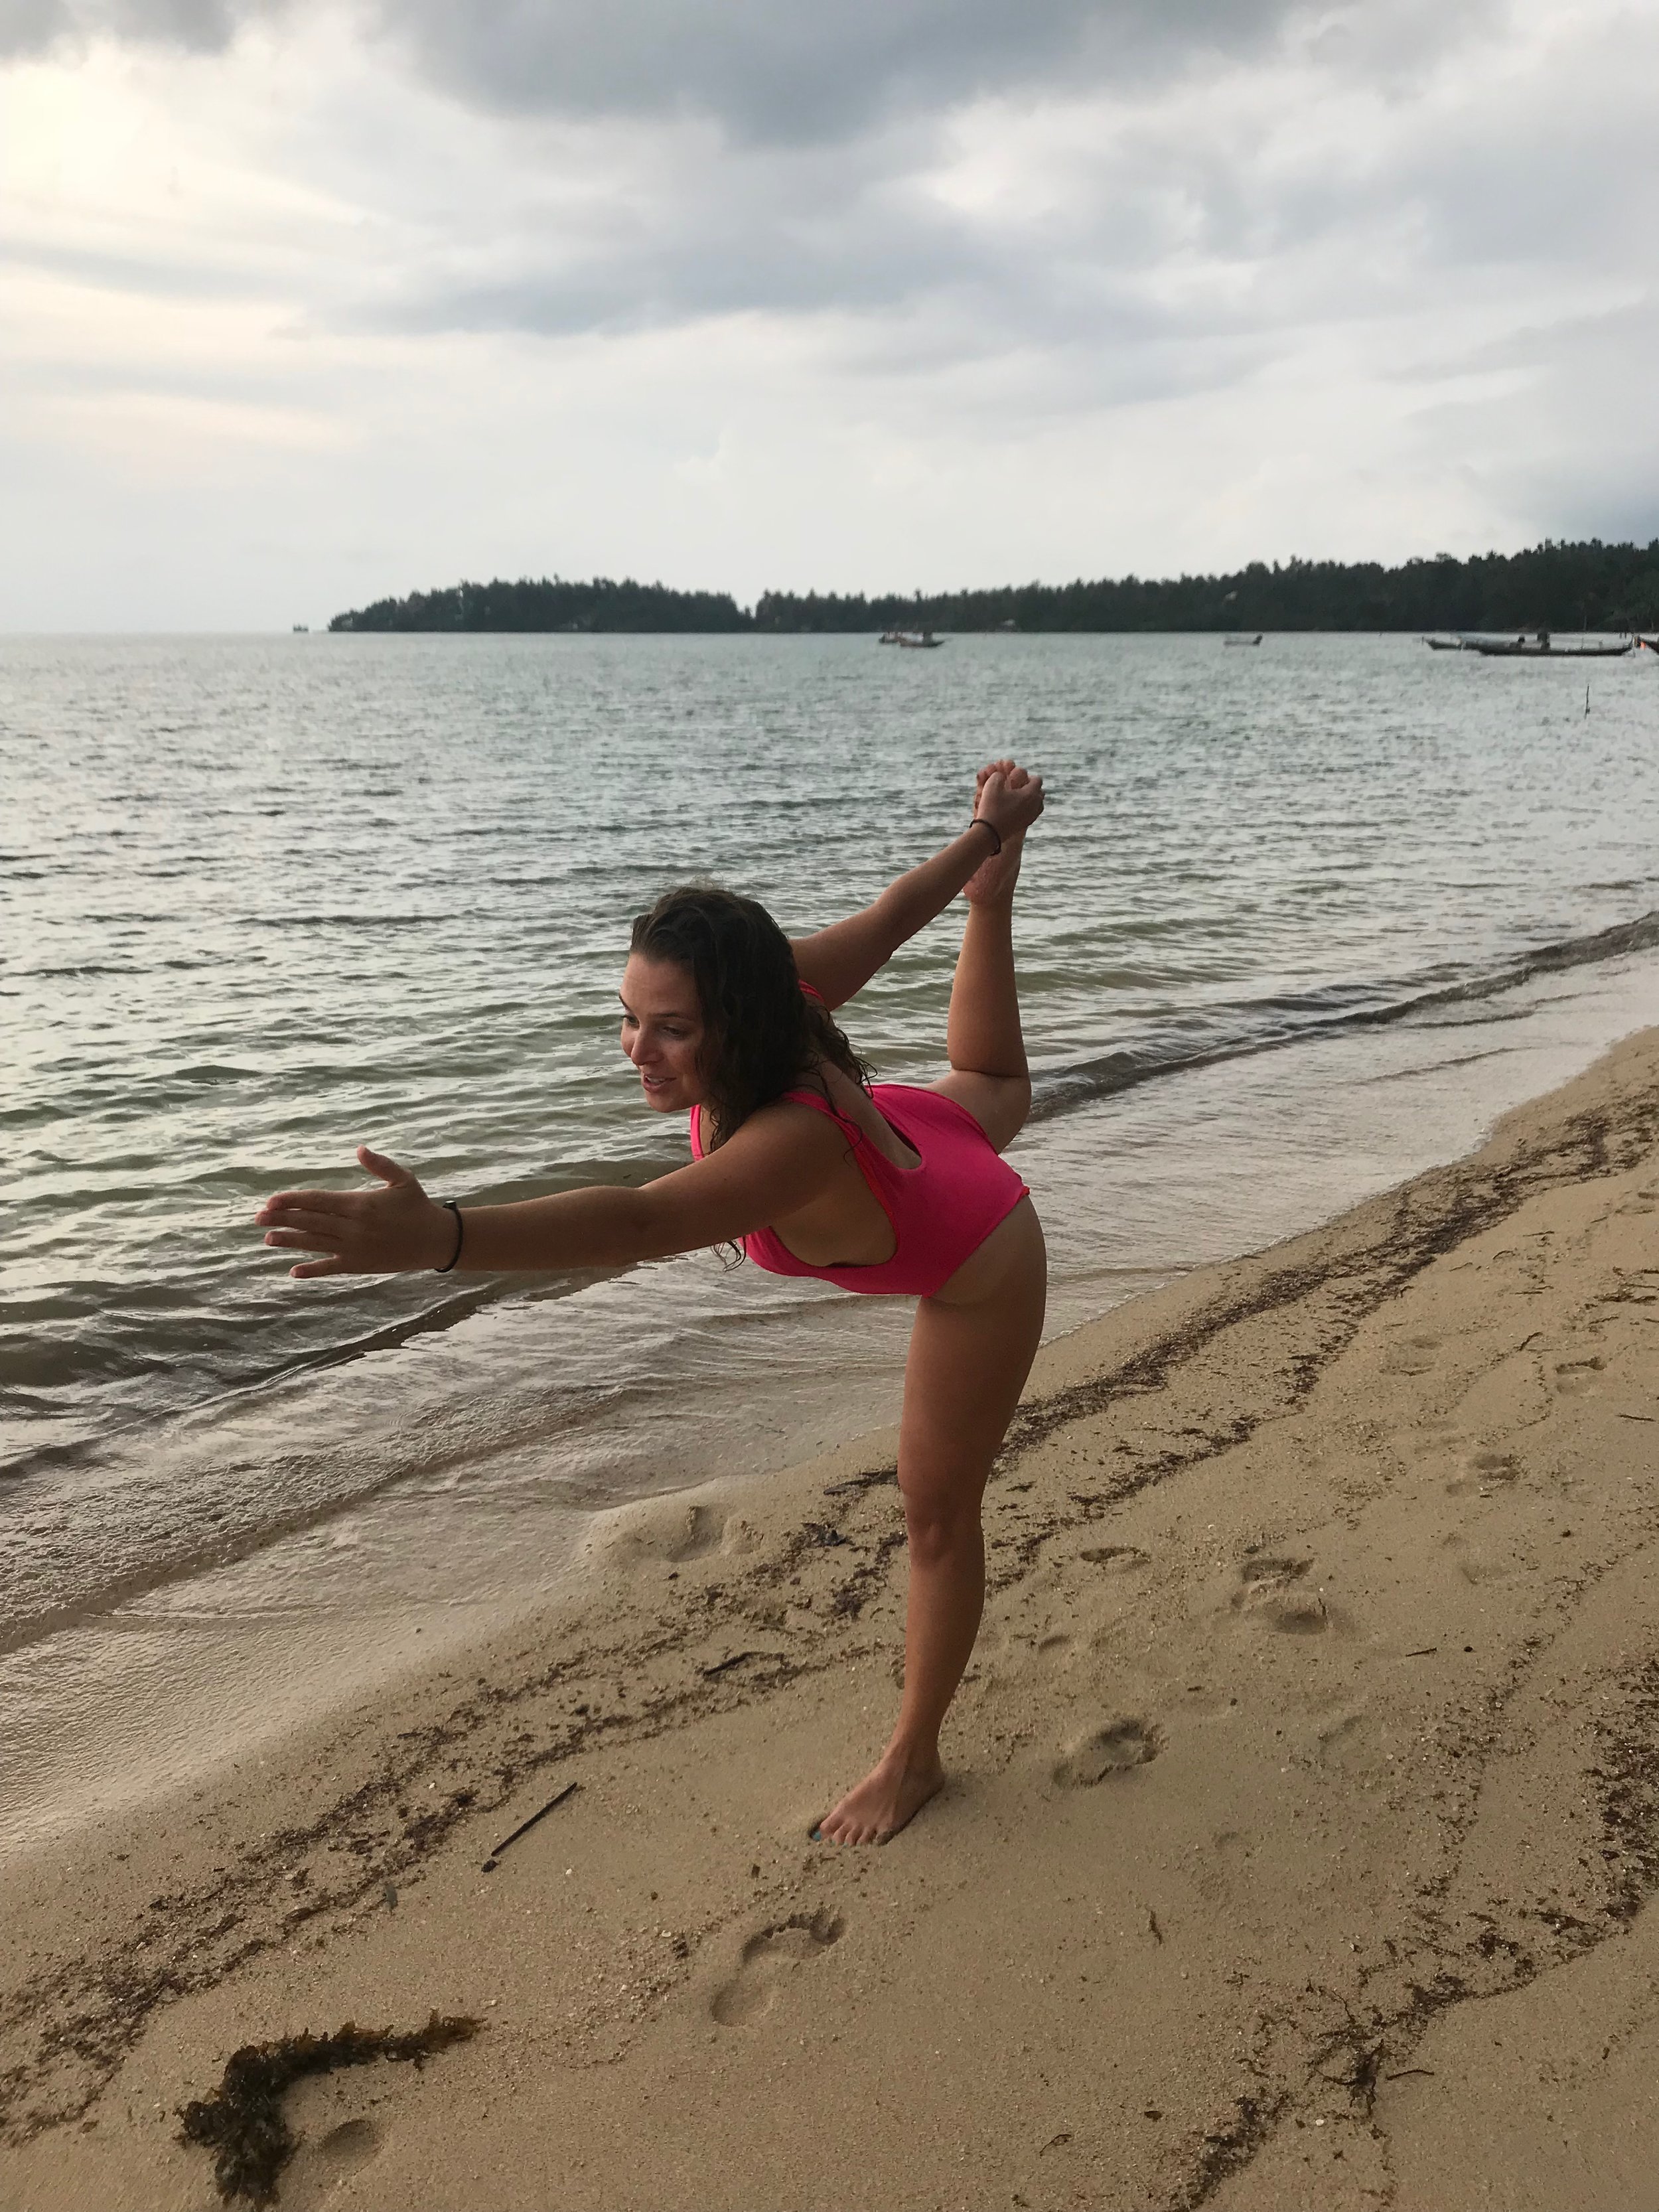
{"x":1538,"y":647}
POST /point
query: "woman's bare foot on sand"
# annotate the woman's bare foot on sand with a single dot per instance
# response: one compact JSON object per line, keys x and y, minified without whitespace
{"x":890,"y":1795}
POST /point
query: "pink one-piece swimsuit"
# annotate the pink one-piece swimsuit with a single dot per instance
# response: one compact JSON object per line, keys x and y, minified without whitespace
{"x":941,"y":1211}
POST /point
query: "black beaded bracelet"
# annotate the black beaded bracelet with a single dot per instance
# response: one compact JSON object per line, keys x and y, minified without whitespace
{"x":460,"y":1238}
{"x":979,"y":822}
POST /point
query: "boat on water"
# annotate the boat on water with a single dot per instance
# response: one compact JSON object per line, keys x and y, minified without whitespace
{"x":1539,"y":646}
{"x":1651,"y":643}
{"x":1446,"y":644}
{"x":918,"y":640}
{"x":1256,"y":640}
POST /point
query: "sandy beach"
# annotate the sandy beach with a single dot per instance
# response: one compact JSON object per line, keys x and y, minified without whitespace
{"x":1303,"y":1816}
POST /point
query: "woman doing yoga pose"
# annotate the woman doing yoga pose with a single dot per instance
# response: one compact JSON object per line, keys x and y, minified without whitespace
{"x":887,"y":1188}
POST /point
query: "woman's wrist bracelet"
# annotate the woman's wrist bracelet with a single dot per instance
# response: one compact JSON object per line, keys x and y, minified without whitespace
{"x":460,"y":1238}
{"x":979,"y":822}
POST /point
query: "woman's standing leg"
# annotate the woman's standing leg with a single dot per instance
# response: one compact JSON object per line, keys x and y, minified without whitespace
{"x":967,"y":1367}
{"x":970,"y":1351}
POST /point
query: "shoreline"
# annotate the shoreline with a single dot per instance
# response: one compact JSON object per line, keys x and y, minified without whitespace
{"x":463,"y":1509}
{"x":1290,"y":1562}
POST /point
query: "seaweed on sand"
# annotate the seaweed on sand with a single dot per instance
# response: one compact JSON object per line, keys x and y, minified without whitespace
{"x":242,"y":2122}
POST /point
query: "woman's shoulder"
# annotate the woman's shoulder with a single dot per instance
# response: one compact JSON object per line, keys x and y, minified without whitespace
{"x":804,"y":1108}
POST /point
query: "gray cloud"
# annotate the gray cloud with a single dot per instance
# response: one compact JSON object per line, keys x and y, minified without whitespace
{"x":156,"y":276}
{"x":1424,"y":218}
{"x":1577,"y":445}
{"x":739,"y":198}
{"x":198,"y":26}
{"x":770,"y":72}
{"x":797,"y":70}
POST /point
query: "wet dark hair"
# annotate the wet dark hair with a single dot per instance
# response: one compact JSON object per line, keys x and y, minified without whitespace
{"x":762,"y":1031}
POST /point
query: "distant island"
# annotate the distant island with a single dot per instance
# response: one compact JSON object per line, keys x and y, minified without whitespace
{"x":1554,"y":586}
{"x":544,"y":603}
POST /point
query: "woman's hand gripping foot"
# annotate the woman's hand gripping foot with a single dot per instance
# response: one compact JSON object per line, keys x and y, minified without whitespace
{"x":889,"y":1797}
{"x":992,"y":883}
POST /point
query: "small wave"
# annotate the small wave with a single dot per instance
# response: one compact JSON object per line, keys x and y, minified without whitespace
{"x":112,"y":968}
{"x":352,"y":920}
{"x":84,"y":968}
{"x":1637,"y":936}
{"x":210,"y":1072}
{"x":1268,"y":1024}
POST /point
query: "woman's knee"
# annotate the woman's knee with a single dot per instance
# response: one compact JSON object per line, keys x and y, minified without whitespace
{"x":1006,"y":1114}
{"x":1019,"y":1096}
{"x":941,"y":1525}
{"x":999,"y":1103}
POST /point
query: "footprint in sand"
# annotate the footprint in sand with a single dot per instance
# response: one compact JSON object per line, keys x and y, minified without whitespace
{"x":1114,"y":1750}
{"x":1345,"y":1744}
{"x":1432,"y":1439}
{"x":353,"y":2143}
{"x":1411,"y":1355}
{"x":1116,"y":1558}
{"x":697,"y":1531}
{"x":1474,"y":1566}
{"x":1271,"y":1593}
{"x":1487,"y":1471}
{"x":658,"y":1537}
{"x":1575,"y":1375}
{"x":767,"y":1961}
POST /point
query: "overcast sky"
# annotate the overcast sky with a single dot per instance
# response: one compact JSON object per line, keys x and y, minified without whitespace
{"x":309,"y":303}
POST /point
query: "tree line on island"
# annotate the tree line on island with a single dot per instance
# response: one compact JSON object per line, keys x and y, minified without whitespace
{"x":1554,"y":587}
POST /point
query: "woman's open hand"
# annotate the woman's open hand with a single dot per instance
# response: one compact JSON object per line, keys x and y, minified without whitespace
{"x":383,"y":1231}
{"x":1010,"y":798}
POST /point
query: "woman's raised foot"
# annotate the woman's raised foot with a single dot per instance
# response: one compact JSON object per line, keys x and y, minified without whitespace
{"x":890,"y":1796}
{"x":992,"y":882}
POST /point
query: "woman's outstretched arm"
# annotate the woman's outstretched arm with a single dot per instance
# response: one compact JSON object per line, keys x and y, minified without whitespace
{"x":778,"y":1161}
{"x":838,"y":962}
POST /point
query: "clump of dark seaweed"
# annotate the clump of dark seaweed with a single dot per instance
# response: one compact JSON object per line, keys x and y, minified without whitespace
{"x":242,"y":2122}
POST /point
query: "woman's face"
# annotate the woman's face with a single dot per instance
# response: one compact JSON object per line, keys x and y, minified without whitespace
{"x":662,"y":1031}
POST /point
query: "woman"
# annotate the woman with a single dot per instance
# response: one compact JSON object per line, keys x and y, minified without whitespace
{"x":894,"y":1189}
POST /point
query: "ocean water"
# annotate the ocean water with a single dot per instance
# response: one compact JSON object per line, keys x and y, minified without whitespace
{"x":1297,"y":921}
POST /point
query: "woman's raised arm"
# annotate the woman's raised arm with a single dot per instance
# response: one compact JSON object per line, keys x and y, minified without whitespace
{"x":839,"y":961}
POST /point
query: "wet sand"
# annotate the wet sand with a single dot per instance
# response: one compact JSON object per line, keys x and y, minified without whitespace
{"x":1304,"y":1817}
